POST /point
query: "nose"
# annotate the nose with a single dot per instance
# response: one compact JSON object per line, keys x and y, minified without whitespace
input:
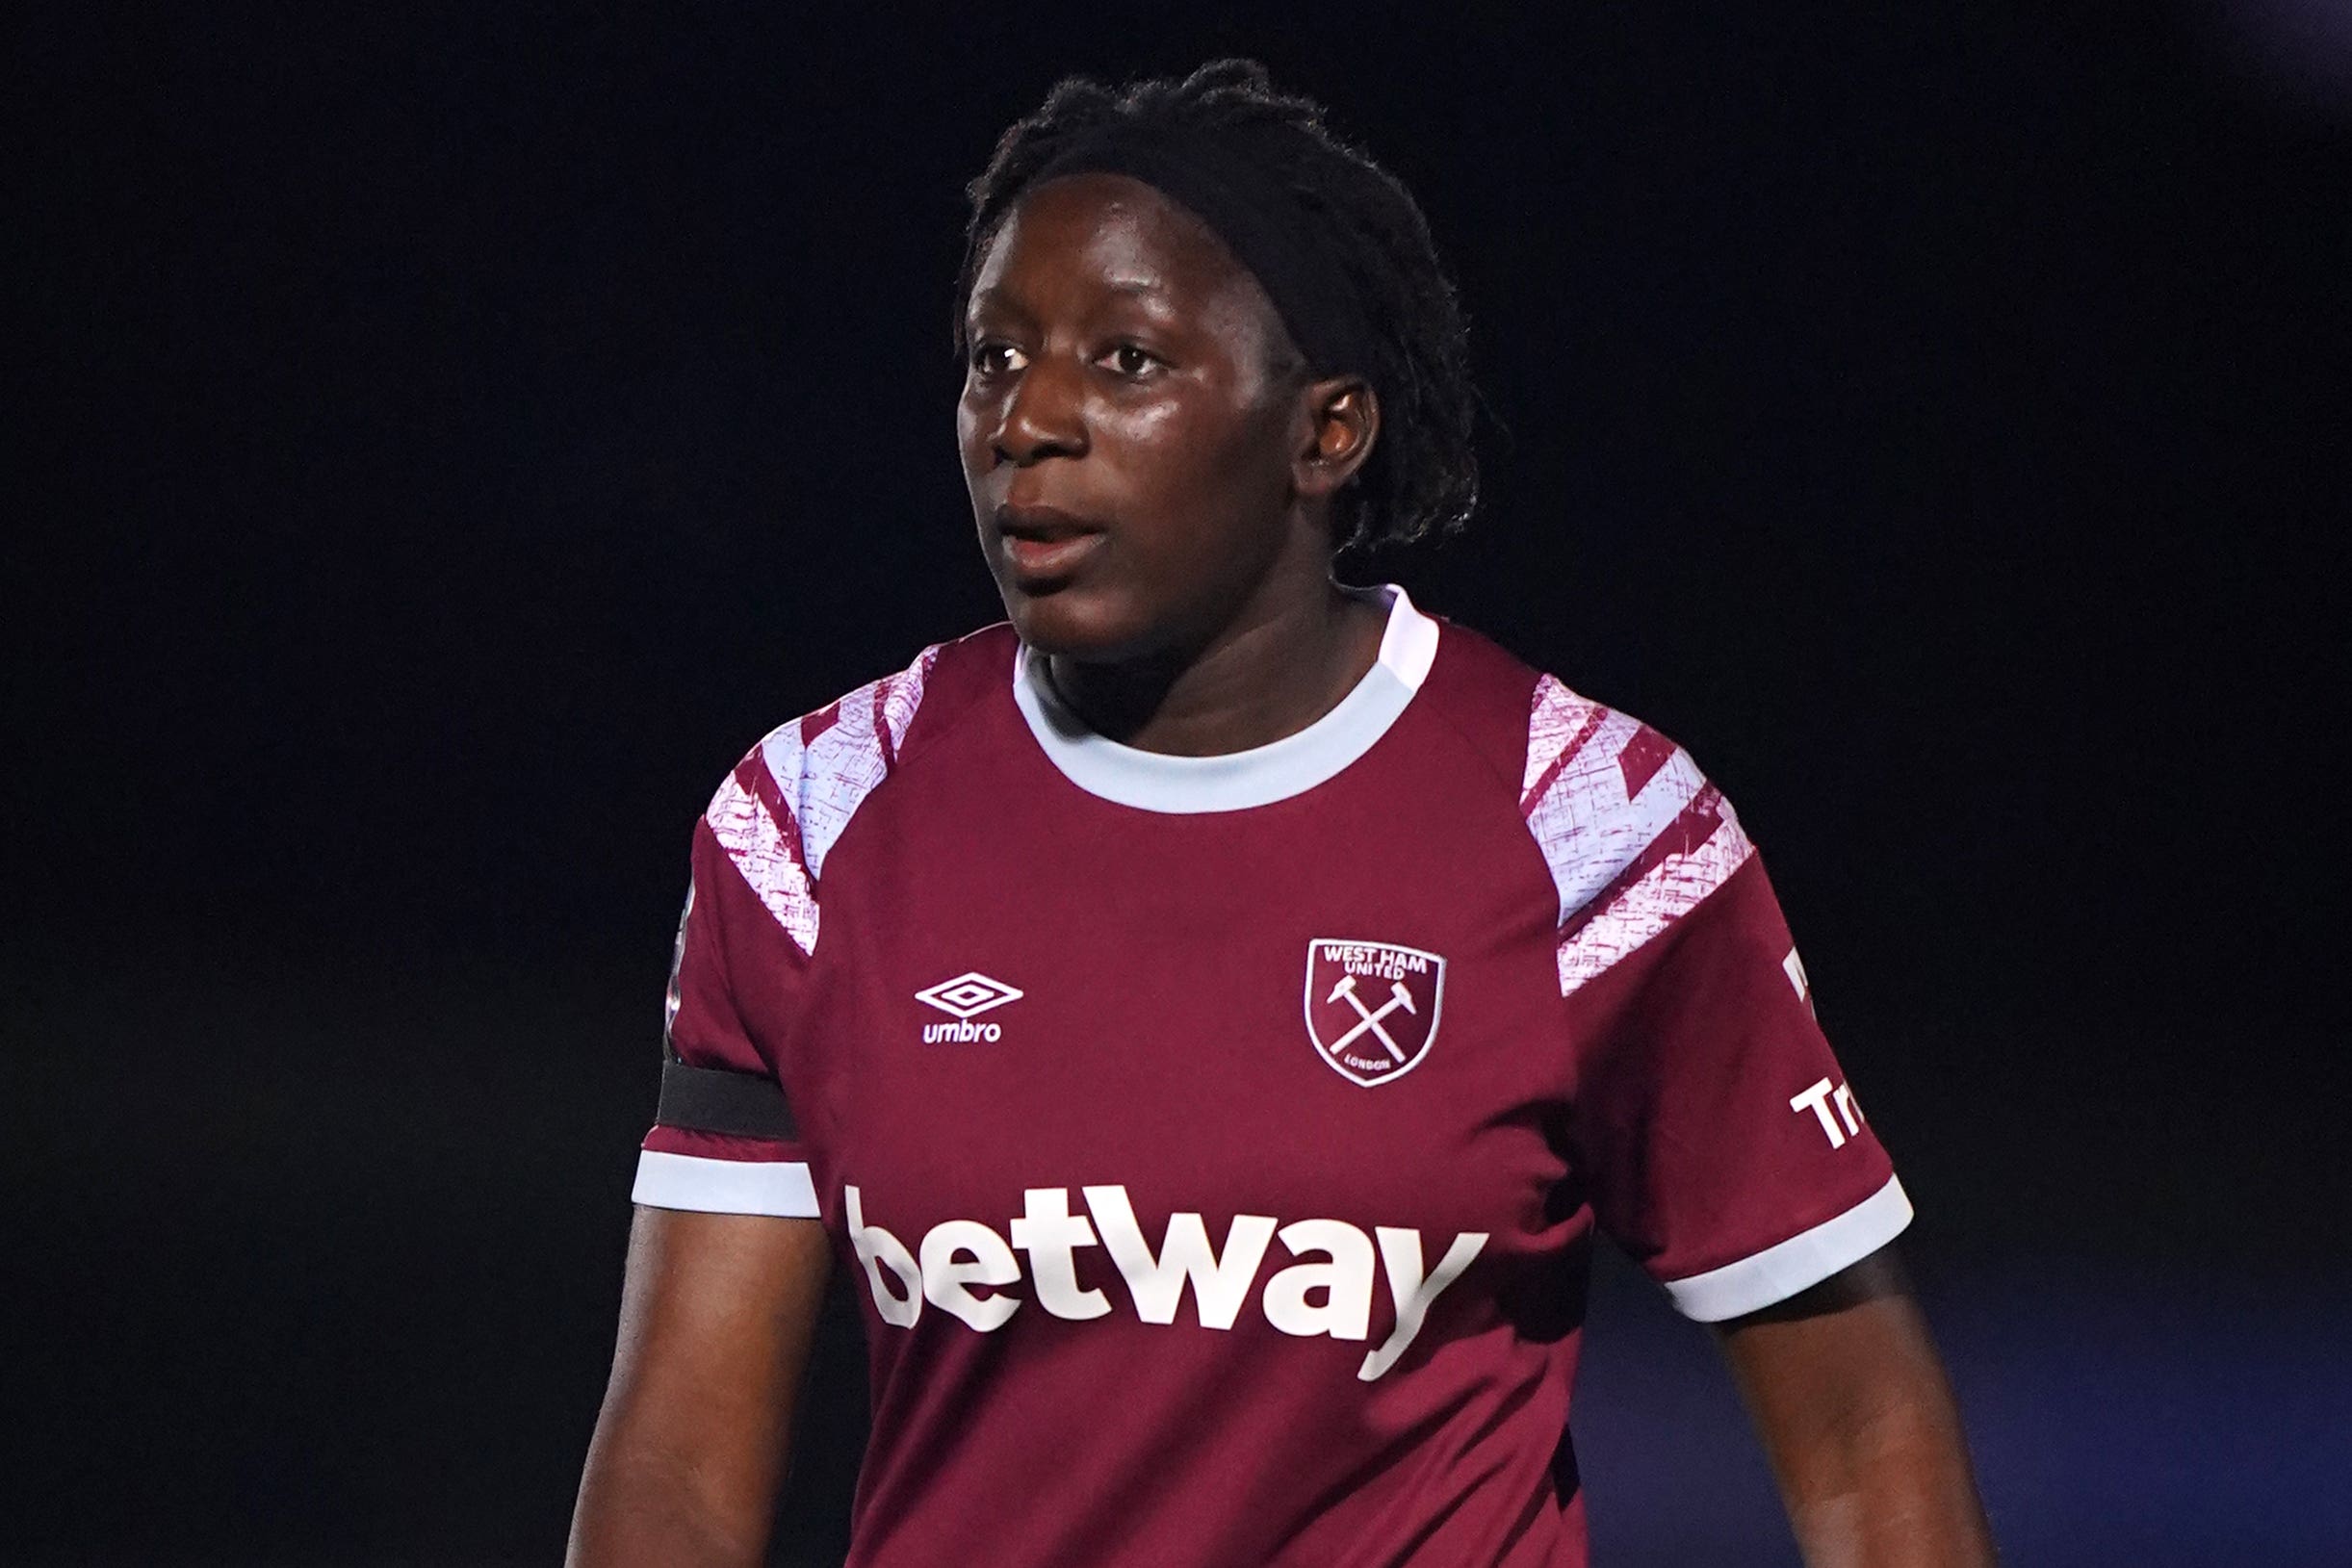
{"x":1041,"y":416}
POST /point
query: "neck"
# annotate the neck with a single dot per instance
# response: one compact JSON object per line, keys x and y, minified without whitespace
{"x":1269,"y":673}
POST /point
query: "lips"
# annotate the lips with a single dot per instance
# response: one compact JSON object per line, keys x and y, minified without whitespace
{"x":1046,"y":544}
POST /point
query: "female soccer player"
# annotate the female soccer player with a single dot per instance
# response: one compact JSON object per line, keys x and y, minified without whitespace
{"x":1210,"y":1016}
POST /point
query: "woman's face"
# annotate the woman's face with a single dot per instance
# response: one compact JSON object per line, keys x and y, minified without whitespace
{"x":1131,"y":414}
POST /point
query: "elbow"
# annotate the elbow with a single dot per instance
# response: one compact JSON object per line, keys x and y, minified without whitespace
{"x":643,"y":1505}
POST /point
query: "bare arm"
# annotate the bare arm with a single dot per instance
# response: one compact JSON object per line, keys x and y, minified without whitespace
{"x":717,"y":1315}
{"x":1850,"y":1401}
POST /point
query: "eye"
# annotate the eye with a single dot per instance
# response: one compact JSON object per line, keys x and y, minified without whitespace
{"x":993,"y":357}
{"x":1132,"y":361}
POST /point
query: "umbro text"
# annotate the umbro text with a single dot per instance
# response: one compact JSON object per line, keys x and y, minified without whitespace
{"x":962,"y":1029}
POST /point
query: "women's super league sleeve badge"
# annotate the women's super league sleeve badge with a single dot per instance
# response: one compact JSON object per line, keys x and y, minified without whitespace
{"x":1372,"y":1007}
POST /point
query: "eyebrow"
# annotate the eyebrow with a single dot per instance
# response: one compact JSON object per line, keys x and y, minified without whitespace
{"x":1132,"y":288}
{"x":985,"y":298}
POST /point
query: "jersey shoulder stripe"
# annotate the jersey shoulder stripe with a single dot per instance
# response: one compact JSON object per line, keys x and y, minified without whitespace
{"x":1633,"y":834}
{"x":786,"y":804}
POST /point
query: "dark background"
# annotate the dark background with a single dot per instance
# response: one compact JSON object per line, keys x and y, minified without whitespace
{"x":446,"y":439}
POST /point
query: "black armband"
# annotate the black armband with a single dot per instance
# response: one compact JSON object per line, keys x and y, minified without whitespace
{"x":719,"y":1100}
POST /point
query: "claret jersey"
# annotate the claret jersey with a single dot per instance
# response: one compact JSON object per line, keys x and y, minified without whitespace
{"x":1215,"y":1144}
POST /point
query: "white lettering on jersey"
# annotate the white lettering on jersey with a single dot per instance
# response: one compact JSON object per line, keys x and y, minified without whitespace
{"x":1818,"y":1099}
{"x":945,"y":1278}
{"x":1346,"y":1280}
{"x":1049,"y":1233}
{"x":877,"y":1248}
{"x":962,"y":1029}
{"x":1336,"y":1260}
{"x":1401,"y":1256}
{"x":1218,"y":1283}
{"x":1378,"y":959}
{"x":965,"y":998}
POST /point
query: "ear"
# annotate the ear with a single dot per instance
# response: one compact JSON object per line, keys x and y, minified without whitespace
{"x":1343,"y":419}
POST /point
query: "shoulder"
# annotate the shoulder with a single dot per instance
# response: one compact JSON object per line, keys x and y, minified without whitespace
{"x":830,"y":761}
{"x":1605,"y":794}
{"x":1629,"y":826}
{"x":778,"y":814}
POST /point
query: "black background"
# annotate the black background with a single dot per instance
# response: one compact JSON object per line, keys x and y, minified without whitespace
{"x":446,"y":439}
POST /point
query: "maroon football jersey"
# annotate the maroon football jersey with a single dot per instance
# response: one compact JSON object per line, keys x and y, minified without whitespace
{"x":1215,"y":1144}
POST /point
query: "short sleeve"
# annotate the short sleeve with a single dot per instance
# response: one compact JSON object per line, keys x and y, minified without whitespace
{"x":724,"y":1139}
{"x":1723,"y":1144}
{"x":1710,"y":1126}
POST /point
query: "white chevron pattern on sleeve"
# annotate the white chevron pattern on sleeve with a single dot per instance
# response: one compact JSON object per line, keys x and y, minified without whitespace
{"x":1632,"y":832}
{"x":780,"y":814}
{"x":763,"y":850}
{"x":1663,"y":894}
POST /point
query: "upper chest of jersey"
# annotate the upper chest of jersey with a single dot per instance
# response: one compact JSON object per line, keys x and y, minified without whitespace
{"x":1308,"y":1009}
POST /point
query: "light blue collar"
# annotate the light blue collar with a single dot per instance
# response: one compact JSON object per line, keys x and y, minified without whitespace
{"x":1155,"y":782}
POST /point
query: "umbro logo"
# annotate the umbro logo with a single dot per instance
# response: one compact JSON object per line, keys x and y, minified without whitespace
{"x":966,"y":998}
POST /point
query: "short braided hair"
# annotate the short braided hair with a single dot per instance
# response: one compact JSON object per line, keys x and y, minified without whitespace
{"x":1422,"y":476}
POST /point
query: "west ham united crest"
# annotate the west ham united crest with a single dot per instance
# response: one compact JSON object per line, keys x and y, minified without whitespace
{"x":1372,"y":1007}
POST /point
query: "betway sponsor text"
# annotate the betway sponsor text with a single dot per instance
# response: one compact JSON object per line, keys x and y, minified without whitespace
{"x":1334,"y":1258}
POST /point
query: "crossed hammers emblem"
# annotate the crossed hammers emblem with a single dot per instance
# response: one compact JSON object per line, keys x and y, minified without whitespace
{"x":1370,"y":1017}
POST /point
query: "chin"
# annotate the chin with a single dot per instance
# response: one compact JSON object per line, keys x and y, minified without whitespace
{"x":1074,"y":622}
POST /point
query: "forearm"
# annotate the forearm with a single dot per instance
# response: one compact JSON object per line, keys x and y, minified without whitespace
{"x":717,"y":1312}
{"x":641,"y":1506}
{"x":1860,"y":1424}
{"x":1891,"y":1490}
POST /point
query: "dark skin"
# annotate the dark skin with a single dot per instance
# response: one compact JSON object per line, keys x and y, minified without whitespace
{"x":1152,"y":469}
{"x":717,"y":1311}
{"x":1131,"y":382}
{"x":1847,"y":1390}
